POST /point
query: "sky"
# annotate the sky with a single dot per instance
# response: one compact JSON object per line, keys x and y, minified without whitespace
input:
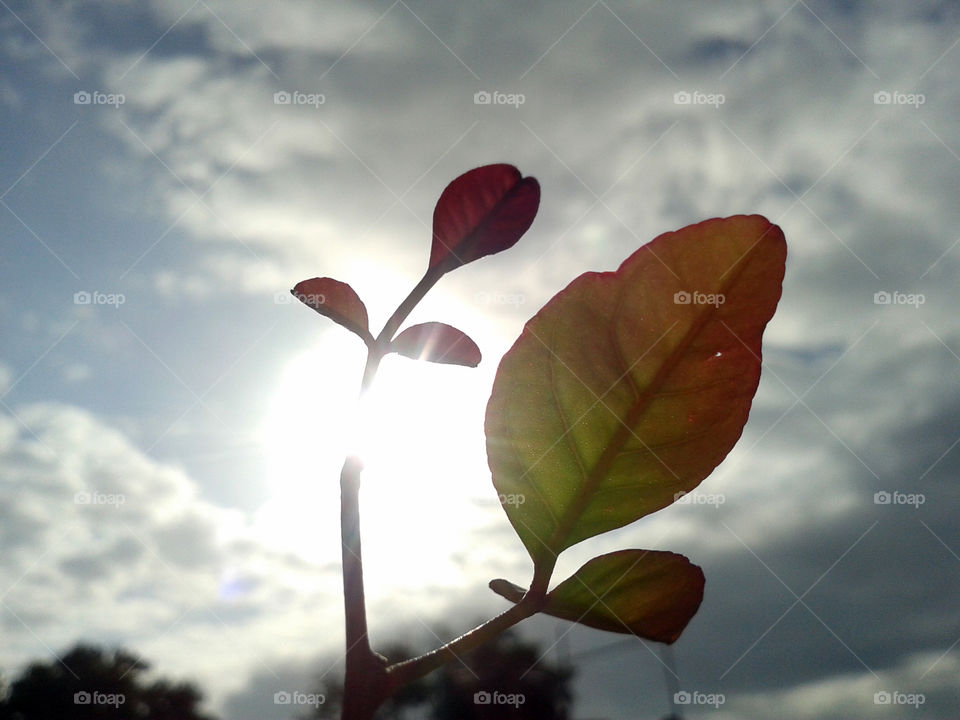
{"x":172,"y":425}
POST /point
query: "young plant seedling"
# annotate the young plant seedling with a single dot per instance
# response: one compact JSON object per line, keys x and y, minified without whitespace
{"x":620,"y":396}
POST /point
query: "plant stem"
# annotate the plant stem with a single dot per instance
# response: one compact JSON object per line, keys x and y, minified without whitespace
{"x":365,"y":673}
{"x":542,"y":572}
{"x":428,"y":280}
{"x":368,"y":681}
{"x":364,"y":684}
{"x":365,"y":676}
{"x":407,"y":671}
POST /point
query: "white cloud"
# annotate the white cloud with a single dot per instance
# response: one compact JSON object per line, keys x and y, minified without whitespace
{"x":103,"y":542}
{"x":240,"y":27}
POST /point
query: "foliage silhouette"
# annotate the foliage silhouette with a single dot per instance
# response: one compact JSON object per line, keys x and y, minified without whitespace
{"x":91,"y":683}
{"x":510,"y":667}
{"x":621,"y":395}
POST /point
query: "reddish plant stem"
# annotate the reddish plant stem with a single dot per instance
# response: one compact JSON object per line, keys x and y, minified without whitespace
{"x":365,"y":677}
{"x":365,"y":673}
{"x":406,"y":672}
{"x":404,"y":309}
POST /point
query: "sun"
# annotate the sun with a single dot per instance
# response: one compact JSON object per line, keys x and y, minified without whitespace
{"x":421,"y":443}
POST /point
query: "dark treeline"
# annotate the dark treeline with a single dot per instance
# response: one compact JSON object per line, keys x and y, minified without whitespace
{"x":92,"y":683}
{"x":505,"y":679}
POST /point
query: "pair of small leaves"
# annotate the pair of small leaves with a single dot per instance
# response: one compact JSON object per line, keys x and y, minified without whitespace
{"x":482,"y":212}
{"x":433,"y":341}
{"x":624,"y":392}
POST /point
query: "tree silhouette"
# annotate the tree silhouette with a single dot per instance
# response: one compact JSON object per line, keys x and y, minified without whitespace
{"x":507,"y":678}
{"x":92,"y":683}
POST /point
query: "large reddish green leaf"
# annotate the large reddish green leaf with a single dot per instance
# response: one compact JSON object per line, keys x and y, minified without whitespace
{"x":482,"y":212}
{"x":629,"y":387}
{"x":648,"y":593}
{"x":337,"y":301}
{"x":439,"y":343}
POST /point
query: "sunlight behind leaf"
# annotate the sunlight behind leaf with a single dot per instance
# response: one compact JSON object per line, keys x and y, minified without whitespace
{"x":423,"y":453}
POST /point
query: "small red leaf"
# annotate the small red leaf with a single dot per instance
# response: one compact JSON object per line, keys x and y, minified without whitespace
{"x":337,"y":301}
{"x":482,"y":212}
{"x":437,"y":343}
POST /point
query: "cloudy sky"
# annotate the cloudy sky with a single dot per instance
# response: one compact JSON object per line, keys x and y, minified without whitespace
{"x":171,"y":426}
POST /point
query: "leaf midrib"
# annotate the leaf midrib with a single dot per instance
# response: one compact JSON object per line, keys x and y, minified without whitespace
{"x":556,"y":544}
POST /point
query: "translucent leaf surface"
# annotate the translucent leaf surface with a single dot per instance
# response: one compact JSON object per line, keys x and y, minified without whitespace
{"x":337,"y":301}
{"x":482,"y":212}
{"x":439,"y":343}
{"x":630,"y":387}
{"x":648,"y":593}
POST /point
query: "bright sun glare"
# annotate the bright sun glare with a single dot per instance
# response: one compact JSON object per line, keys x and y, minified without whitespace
{"x":422,"y":449}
